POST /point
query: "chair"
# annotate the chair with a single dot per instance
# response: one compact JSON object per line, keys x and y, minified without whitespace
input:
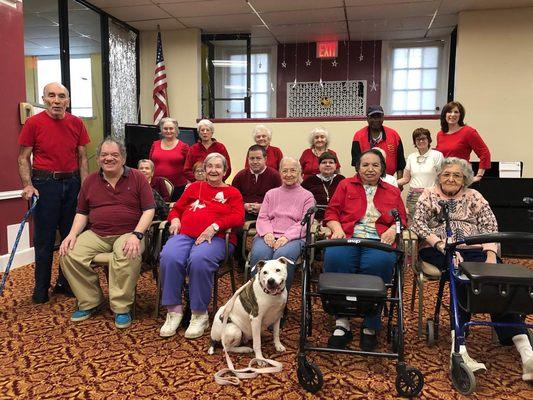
{"x":225,"y":267}
{"x":149,"y":257}
{"x":169,"y":185}
{"x":422,"y":272}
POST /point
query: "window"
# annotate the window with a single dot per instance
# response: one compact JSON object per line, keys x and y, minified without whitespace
{"x":261,"y":97}
{"x":49,"y":70}
{"x":415,"y":79}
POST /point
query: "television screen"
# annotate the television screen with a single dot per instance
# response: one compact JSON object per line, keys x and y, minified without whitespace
{"x":138,"y":141}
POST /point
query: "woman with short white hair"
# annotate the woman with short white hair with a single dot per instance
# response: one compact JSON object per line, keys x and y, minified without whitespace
{"x":262,"y":136}
{"x":309,"y":160}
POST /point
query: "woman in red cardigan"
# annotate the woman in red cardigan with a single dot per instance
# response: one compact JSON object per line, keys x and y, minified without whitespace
{"x":309,"y":160}
{"x":459,"y":140}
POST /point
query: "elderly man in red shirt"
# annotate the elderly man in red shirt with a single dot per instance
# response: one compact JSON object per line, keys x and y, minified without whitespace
{"x":57,"y":141}
{"x":117,"y":206}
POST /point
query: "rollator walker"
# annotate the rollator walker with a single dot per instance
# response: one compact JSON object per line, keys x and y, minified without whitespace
{"x":350,"y":295}
{"x":478,"y":287}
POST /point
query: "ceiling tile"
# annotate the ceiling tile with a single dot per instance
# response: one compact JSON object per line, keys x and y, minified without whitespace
{"x":136,"y":13}
{"x":304,"y":16}
{"x":118,"y":3}
{"x":207,"y":8}
{"x":263,"y":6}
{"x":166,"y":24}
{"x":238,"y":23}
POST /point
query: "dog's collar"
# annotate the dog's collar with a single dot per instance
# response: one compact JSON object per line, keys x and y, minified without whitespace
{"x":265,"y":289}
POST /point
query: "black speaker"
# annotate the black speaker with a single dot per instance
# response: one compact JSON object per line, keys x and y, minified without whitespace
{"x":138,"y":141}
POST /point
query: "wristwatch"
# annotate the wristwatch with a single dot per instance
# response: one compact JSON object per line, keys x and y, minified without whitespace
{"x":139,"y":235}
{"x":215,"y":226}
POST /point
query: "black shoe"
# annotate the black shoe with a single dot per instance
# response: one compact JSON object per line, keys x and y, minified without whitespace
{"x":61,"y":288}
{"x":368,"y":342}
{"x":40,"y":298}
{"x":340,"y":342}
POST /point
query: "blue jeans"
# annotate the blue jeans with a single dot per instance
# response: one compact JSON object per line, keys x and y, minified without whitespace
{"x":180,"y":257}
{"x":361,"y":260}
{"x":291,"y":250}
{"x":54,"y":211}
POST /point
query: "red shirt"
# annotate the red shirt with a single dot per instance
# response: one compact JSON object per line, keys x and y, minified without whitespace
{"x":115,"y":211}
{"x":274,"y":156}
{"x":198,"y":152}
{"x":201,"y":204}
{"x":309,"y":162}
{"x":391,"y":143}
{"x":348,"y":205}
{"x":55,"y":141}
{"x":461,"y":143}
{"x":253,"y":188}
{"x":169,"y":163}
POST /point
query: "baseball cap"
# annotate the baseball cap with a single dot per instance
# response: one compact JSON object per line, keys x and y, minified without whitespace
{"x":374,"y":110}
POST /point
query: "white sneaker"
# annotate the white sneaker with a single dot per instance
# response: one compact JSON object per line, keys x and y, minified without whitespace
{"x":199,"y":323}
{"x":171,"y":324}
{"x":527,"y":370}
{"x":472,"y":364}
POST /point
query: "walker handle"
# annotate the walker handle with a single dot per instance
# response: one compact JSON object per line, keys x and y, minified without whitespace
{"x":374,"y":244}
{"x":499,"y":237}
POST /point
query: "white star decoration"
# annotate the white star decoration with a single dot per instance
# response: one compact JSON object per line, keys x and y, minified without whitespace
{"x":360,"y":57}
{"x":334,"y":63}
{"x":373,"y":86}
{"x":308,"y":63}
{"x":283,"y":64}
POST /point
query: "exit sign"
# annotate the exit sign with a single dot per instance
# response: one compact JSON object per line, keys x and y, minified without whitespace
{"x":326,"y":49}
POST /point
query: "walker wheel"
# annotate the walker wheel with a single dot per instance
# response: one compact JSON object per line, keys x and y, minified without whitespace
{"x":395,"y":338}
{"x":309,"y":376}
{"x":409,"y":383}
{"x":430,"y":332}
{"x":463,"y":378}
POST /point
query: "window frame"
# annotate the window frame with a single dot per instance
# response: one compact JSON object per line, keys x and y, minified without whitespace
{"x":387,"y":71}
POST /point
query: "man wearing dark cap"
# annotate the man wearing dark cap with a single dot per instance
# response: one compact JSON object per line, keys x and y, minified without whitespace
{"x":378,"y":135}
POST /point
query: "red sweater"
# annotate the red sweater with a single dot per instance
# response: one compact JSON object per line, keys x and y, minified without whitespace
{"x":309,"y":162}
{"x":201,"y":204}
{"x":348,"y":205}
{"x":198,"y":152}
{"x":461,"y":143}
{"x":274,"y":156}
{"x":169,"y":163}
{"x":391,"y":143}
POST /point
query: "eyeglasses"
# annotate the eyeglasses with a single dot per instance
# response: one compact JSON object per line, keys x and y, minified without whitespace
{"x":201,"y":172}
{"x":454,"y":176}
{"x":289,"y":171}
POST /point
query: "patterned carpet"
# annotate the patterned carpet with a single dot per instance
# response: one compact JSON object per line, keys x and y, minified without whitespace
{"x":45,"y":356}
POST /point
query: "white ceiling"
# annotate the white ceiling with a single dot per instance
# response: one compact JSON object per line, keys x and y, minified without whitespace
{"x":289,"y":21}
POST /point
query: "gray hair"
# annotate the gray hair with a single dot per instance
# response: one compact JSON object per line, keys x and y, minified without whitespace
{"x":210,"y":156}
{"x":315,"y":132}
{"x":149,"y":162}
{"x":466,"y":168}
{"x":168,"y":119}
{"x":291,"y":159}
{"x":206,"y":122}
{"x":261,"y":127}
{"x":111,"y":139}
{"x":45,"y":91}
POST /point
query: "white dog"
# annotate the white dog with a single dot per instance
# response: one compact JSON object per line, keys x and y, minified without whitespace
{"x":257,"y":306}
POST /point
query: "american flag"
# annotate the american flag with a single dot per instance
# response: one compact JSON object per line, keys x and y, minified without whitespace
{"x":160,"y":84}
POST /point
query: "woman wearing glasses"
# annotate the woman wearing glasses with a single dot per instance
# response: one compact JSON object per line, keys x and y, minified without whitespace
{"x":421,"y":168}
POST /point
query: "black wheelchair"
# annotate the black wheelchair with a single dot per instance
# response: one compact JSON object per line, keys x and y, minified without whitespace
{"x":354,"y":295}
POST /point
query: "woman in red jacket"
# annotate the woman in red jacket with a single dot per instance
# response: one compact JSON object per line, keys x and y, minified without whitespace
{"x":361,"y":208}
{"x":197,"y":245}
{"x":459,"y":140}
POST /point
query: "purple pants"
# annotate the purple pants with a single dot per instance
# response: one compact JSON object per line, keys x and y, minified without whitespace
{"x":181,"y":257}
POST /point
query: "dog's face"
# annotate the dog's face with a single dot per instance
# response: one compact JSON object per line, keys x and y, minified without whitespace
{"x":272,"y":275}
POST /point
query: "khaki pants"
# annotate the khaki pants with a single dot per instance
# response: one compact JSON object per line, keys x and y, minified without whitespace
{"x":83,"y":279}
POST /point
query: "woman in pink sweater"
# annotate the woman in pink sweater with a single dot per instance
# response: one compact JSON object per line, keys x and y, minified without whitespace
{"x":279,"y":229}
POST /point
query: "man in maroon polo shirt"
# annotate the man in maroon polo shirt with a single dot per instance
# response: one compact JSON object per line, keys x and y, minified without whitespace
{"x":378,"y":135}
{"x":57,"y":141}
{"x":117,"y":206}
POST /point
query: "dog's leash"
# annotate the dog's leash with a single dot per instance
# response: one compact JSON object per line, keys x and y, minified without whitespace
{"x":223,"y":377}
{"x":15,"y":245}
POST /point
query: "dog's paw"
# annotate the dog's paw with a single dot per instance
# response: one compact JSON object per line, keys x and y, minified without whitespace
{"x":280,"y":348}
{"x":211,"y":350}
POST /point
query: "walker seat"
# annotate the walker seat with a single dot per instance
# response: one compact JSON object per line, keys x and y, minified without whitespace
{"x":496,"y":288}
{"x":345,"y":294}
